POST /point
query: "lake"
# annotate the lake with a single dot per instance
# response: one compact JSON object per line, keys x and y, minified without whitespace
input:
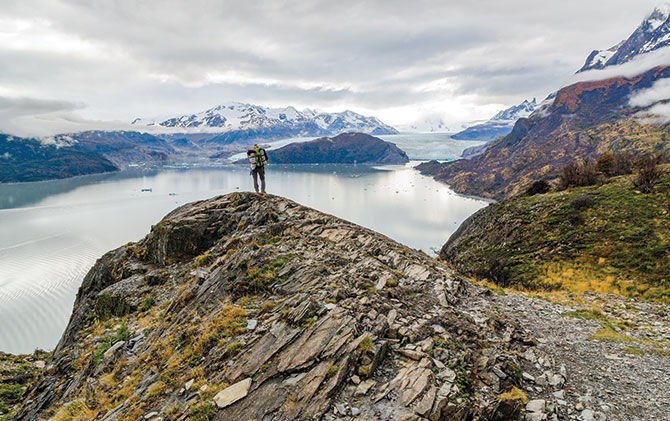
{"x":52,"y":232}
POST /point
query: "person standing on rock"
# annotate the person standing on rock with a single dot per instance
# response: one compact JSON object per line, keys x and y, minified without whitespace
{"x":257,"y":159}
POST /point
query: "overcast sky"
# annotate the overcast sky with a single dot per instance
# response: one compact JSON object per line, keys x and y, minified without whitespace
{"x":66,"y":63}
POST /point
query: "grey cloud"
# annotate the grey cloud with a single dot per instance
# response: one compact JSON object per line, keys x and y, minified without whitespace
{"x":157,"y":57}
{"x":15,"y":107}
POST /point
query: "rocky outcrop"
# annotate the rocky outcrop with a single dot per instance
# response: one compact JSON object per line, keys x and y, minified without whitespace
{"x":253,"y":307}
{"x":347,"y":148}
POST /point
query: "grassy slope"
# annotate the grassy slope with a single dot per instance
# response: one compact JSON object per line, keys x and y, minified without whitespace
{"x":618,"y":241}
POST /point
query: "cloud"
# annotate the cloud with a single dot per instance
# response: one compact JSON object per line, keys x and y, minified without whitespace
{"x":638,"y":65}
{"x":659,"y":113}
{"x":391,"y":58}
{"x":15,"y":112}
{"x":659,"y":91}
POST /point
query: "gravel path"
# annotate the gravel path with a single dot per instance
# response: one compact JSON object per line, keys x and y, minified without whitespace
{"x":624,"y":378}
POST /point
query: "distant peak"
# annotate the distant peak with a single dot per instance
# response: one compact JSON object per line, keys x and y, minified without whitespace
{"x":657,"y":17}
{"x":662,"y":10}
{"x":652,"y":34}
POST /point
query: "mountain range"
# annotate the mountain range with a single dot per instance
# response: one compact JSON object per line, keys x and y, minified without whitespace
{"x":581,"y":121}
{"x":258,"y":121}
{"x":499,"y":125}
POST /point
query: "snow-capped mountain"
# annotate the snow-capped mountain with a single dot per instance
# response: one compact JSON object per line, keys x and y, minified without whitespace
{"x":516,"y":112}
{"x":652,"y":34}
{"x":235,"y":116}
{"x":501,"y":123}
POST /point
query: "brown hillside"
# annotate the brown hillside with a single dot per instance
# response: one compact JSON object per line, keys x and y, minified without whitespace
{"x":584,"y":121}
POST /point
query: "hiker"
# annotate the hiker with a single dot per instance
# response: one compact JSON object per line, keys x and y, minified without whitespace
{"x":257,"y":159}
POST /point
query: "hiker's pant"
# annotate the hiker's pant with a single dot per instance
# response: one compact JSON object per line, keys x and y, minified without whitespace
{"x":259,"y":171}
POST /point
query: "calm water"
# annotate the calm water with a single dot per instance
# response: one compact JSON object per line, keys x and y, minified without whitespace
{"x":51,"y":233}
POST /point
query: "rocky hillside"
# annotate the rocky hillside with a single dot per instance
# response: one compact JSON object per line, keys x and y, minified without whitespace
{"x":16,"y":373}
{"x":583,"y":121}
{"x":34,"y":160}
{"x":347,"y":148}
{"x":253,"y":307}
{"x":608,"y":238}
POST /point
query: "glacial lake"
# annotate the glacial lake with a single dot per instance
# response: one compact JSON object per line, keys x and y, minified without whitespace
{"x":51,"y":233}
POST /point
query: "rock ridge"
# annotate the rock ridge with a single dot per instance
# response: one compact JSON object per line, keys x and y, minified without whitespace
{"x":251,"y":306}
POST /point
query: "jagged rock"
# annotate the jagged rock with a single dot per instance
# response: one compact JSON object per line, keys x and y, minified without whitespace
{"x":378,"y":354}
{"x":506,"y":409}
{"x":414,"y":355}
{"x":528,"y":377}
{"x":535,"y":410}
{"x":364,"y":387}
{"x":341,"y":409}
{"x":114,"y":349}
{"x":232,"y":394}
{"x":587,"y":415}
{"x":275,"y":262}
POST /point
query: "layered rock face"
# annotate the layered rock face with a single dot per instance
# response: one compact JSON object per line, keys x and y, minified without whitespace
{"x":253,"y":307}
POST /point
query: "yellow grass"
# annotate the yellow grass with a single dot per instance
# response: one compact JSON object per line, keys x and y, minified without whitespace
{"x":577,"y":278}
{"x":514,"y":394}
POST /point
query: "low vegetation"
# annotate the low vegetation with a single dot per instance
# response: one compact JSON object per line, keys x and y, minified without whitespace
{"x":17,"y":372}
{"x":611,"y":238}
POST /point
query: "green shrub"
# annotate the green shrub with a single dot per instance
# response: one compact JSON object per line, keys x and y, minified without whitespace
{"x":366,"y":344}
{"x":202,"y":412}
{"x":514,"y":369}
{"x":108,"y":306}
{"x":122,"y":333}
{"x":194,"y":361}
{"x":332,"y":370}
{"x":605,"y":164}
{"x":10,"y":392}
{"x":647,"y":175}
{"x":100,"y":351}
{"x":538,"y":187}
{"x":497,"y":271}
{"x":148,"y":303}
{"x":203,"y":260}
